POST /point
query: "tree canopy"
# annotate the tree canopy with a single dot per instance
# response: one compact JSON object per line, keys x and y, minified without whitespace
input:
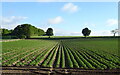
{"x":114,"y":31}
{"x":27,"y":30}
{"x":5,"y":32}
{"x":49,"y":32}
{"x":86,"y":32}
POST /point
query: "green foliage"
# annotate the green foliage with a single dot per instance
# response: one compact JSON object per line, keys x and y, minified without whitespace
{"x":25,"y":49}
{"x":76,"y":53}
{"x":6,"y":32}
{"x":40,"y":32}
{"x":62,"y":58}
{"x":86,"y":32}
{"x":27,"y":30}
{"x":58,"y":55}
{"x":96,"y":53}
{"x":22,"y":36}
{"x":49,"y":32}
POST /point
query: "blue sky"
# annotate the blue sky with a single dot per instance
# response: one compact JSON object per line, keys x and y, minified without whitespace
{"x":66,"y":18}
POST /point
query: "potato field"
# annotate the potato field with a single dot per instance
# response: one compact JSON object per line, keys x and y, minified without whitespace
{"x":92,"y":53}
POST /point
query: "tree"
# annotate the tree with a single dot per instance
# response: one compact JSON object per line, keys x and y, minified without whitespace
{"x":114,"y":31}
{"x":22,"y":30}
{"x":6,"y":32}
{"x":49,"y":32}
{"x":86,"y":32}
{"x":40,"y":32}
{"x":26,"y":31}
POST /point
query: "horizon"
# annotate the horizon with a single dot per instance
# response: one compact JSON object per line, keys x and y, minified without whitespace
{"x":66,"y":18}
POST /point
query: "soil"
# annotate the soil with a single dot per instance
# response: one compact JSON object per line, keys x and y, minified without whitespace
{"x":30,"y":70}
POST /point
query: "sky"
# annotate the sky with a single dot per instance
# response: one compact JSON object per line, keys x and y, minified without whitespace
{"x":60,"y":0}
{"x":66,"y":18}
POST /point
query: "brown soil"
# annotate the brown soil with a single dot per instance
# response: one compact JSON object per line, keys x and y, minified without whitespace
{"x":56,"y":71}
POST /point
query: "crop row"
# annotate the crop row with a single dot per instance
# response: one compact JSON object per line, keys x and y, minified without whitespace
{"x":61,"y":54}
{"x":91,"y":59}
{"x":24,"y":56}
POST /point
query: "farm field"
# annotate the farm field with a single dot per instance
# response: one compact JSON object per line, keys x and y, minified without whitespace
{"x":84,"y":53}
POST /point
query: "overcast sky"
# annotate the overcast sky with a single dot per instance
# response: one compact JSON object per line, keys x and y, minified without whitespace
{"x":66,"y":18}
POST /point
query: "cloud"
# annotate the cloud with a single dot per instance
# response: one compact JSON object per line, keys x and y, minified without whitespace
{"x":55,"y":20}
{"x":101,"y":33}
{"x":70,"y":7}
{"x":75,"y":34}
{"x":11,"y":22}
{"x":112,"y":22}
{"x":63,"y":32}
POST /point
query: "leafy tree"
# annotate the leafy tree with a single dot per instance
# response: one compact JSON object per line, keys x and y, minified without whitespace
{"x":40,"y":32}
{"x":26,"y":31}
{"x":114,"y":31}
{"x":6,"y":32}
{"x":22,"y":36}
{"x":37,"y":31}
{"x":86,"y":32}
{"x":22,"y":30}
{"x":49,"y":32}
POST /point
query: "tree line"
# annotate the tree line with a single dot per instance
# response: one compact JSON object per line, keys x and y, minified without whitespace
{"x":23,"y":31}
{"x":27,"y":30}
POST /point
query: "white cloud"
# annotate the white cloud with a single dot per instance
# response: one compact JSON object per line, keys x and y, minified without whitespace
{"x":101,"y":33}
{"x":11,"y":22}
{"x":63,"y":32}
{"x":75,"y":34}
{"x":55,"y":20}
{"x":70,"y":7}
{"x":112,"y":22}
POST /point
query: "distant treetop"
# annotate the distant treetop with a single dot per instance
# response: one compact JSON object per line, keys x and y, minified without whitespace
{"x":86,"y":32}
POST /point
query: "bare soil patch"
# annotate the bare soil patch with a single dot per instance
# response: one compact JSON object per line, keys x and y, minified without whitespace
{"x":56,"y":71}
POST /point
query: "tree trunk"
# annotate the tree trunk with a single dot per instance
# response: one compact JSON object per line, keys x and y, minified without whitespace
{"x":114,"y":34}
